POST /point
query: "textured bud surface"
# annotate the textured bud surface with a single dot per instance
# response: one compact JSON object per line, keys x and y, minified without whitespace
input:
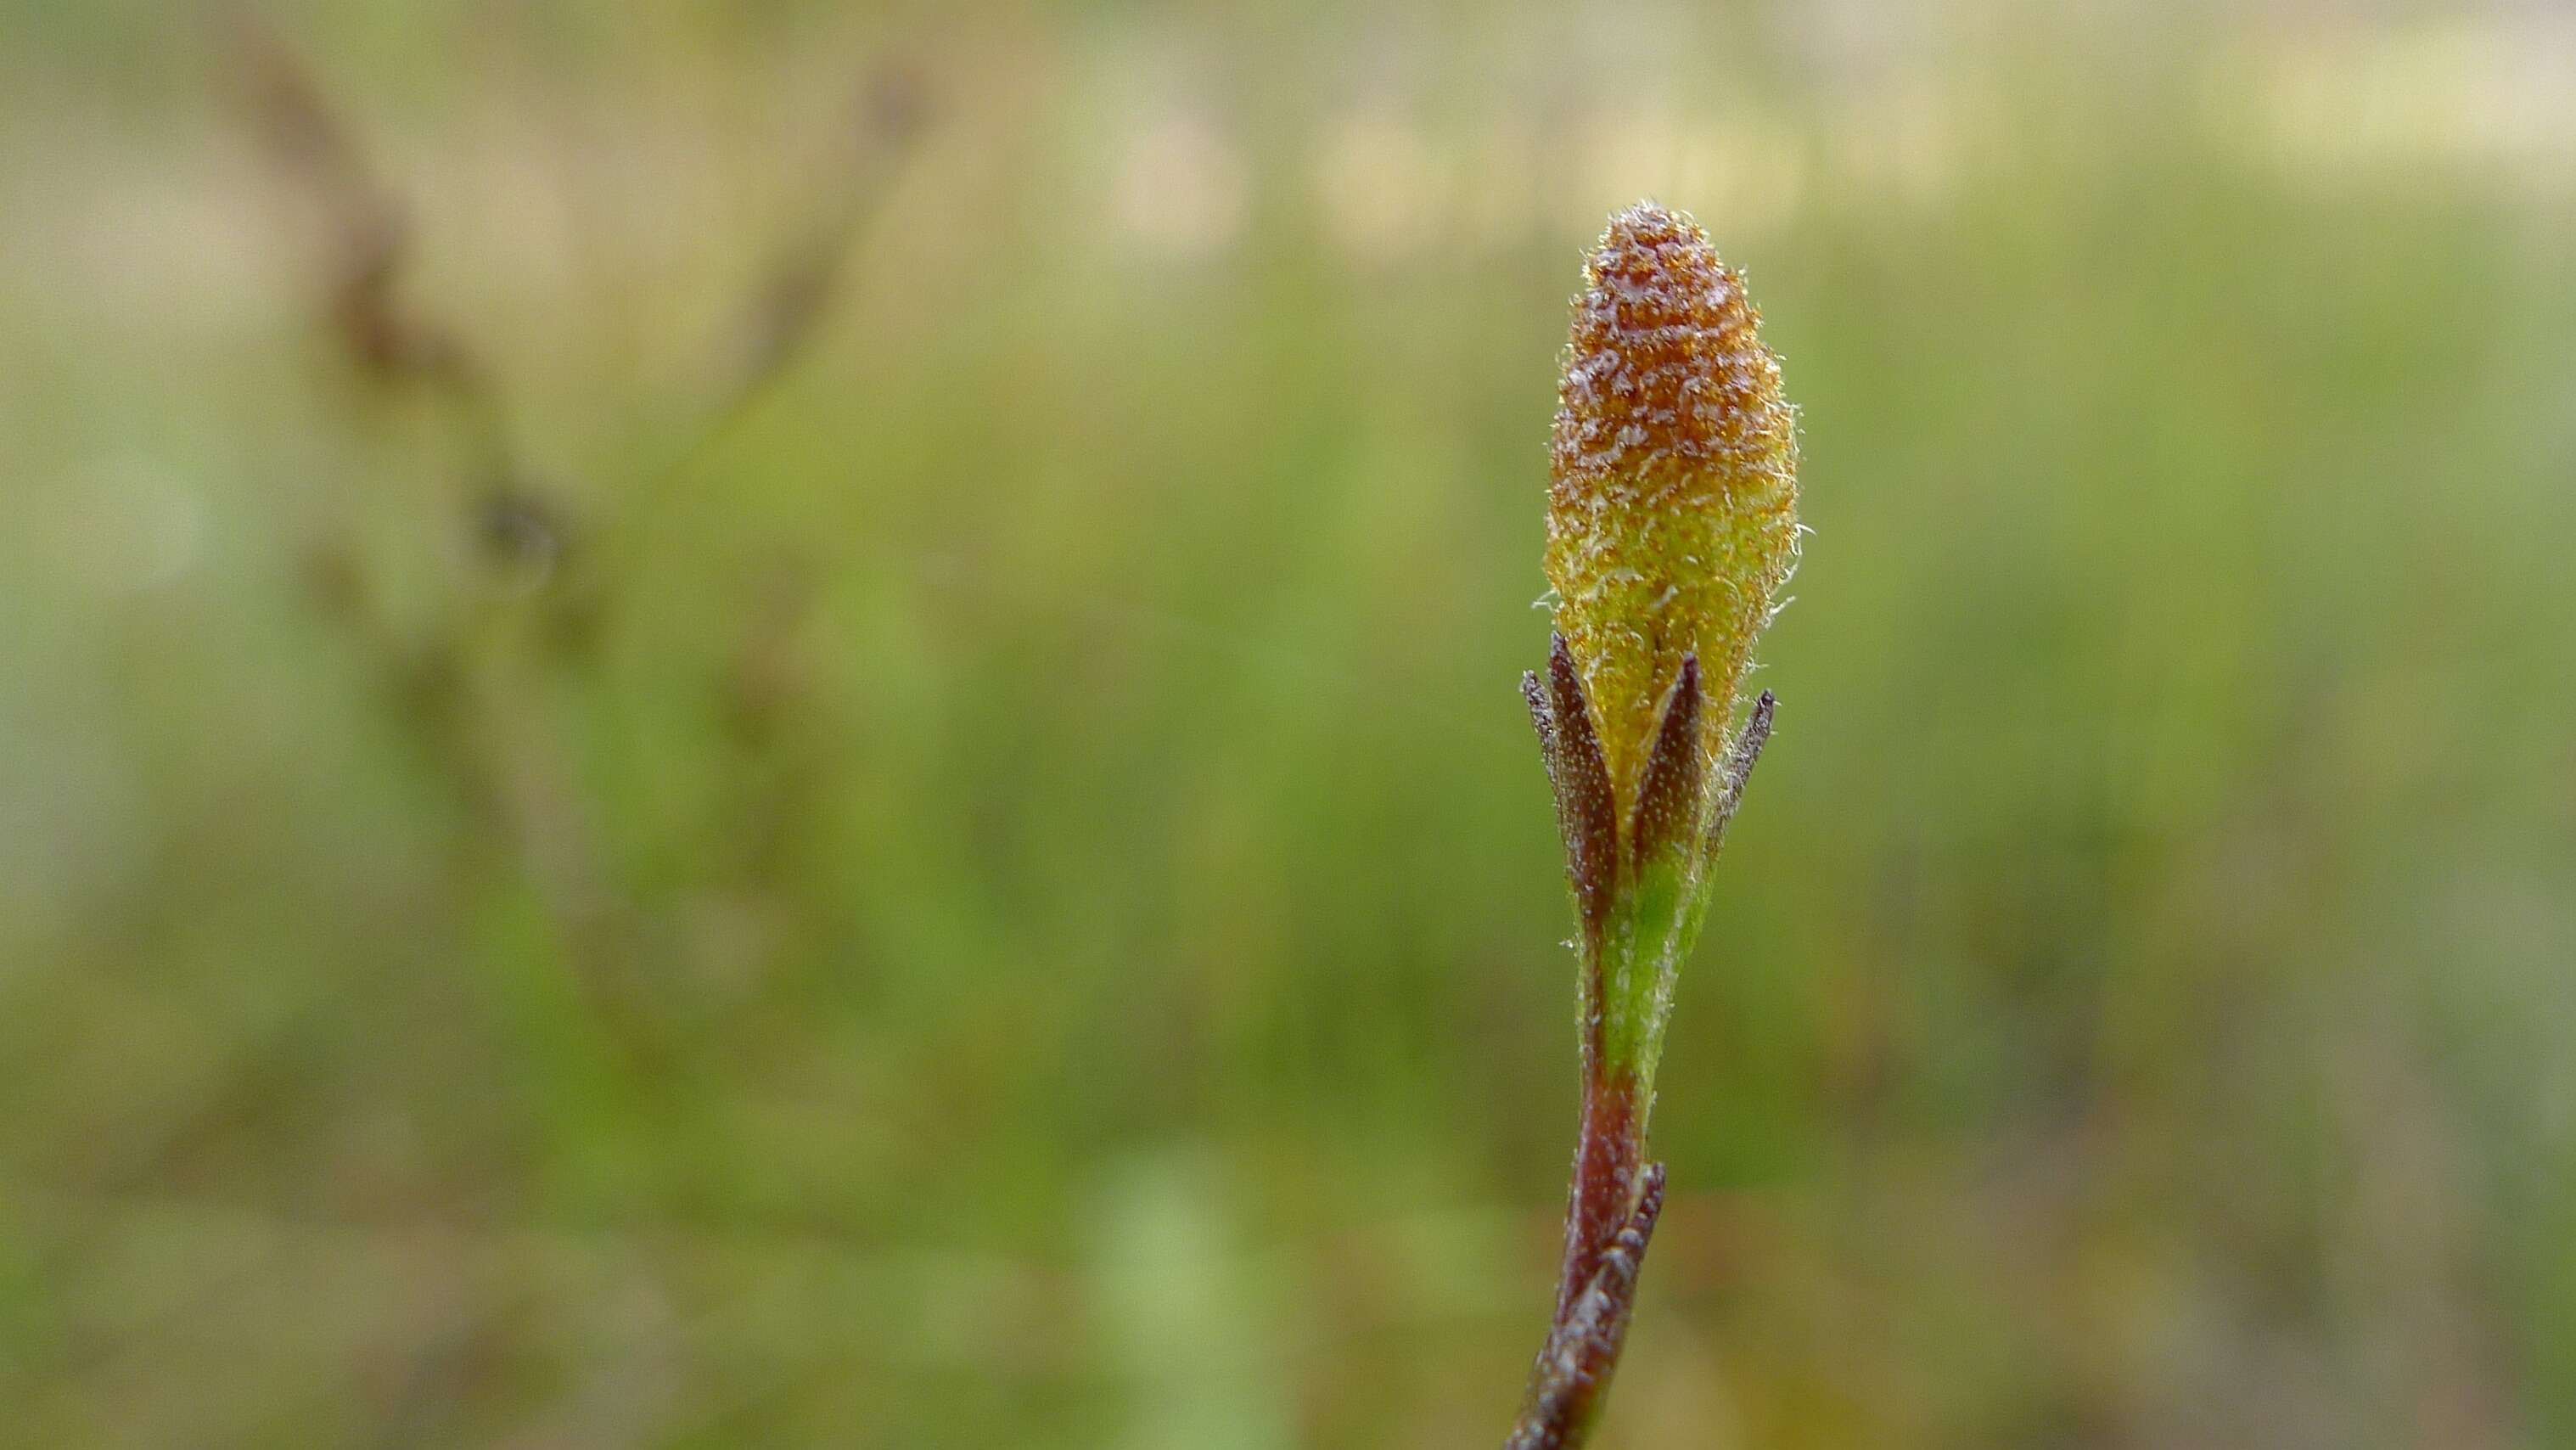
{"x":1672,"y":516}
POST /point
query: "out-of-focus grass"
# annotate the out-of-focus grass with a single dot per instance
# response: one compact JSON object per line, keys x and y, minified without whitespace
{"x":1004,"y":899}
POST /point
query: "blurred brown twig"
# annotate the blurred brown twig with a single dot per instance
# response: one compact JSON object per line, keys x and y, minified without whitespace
{"x":500,"y":748}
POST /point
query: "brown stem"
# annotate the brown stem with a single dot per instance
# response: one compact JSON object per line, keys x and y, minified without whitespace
{"x":1673,"y":832}
{"x":1573,"y":1370}
{"x":1609,"y":1154}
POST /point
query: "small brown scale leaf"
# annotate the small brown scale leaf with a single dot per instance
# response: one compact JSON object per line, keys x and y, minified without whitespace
{"x":1587,"y":809}
{"x":1668,"y":798}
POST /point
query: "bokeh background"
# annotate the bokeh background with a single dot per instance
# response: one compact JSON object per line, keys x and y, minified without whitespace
{"x":792,"y":724}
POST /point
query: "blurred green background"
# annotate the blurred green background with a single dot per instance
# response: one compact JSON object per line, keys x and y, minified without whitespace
{"x":789,"y":724}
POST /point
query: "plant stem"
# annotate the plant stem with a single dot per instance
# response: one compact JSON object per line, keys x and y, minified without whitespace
{"x":1572,"y":1376}
{"x":1647,"y":914}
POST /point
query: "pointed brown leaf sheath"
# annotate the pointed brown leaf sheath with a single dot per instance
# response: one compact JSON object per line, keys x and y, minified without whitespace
{"x":1585,"y":807}
{"x":1543,"y":720}
{"x":1669,"y":798}
{"x":1736,"y":770}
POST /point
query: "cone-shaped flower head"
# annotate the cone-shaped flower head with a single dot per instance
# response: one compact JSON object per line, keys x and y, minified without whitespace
{"x":1672,"y":518}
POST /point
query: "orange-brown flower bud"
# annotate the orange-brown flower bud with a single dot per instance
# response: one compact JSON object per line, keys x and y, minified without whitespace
{"x":1672,"y":517}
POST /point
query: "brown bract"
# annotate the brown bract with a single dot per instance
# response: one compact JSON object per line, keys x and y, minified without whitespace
{"x":1672,"y":509}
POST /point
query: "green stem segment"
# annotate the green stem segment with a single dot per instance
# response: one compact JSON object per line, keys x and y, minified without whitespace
{"x":1640,"y":888}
